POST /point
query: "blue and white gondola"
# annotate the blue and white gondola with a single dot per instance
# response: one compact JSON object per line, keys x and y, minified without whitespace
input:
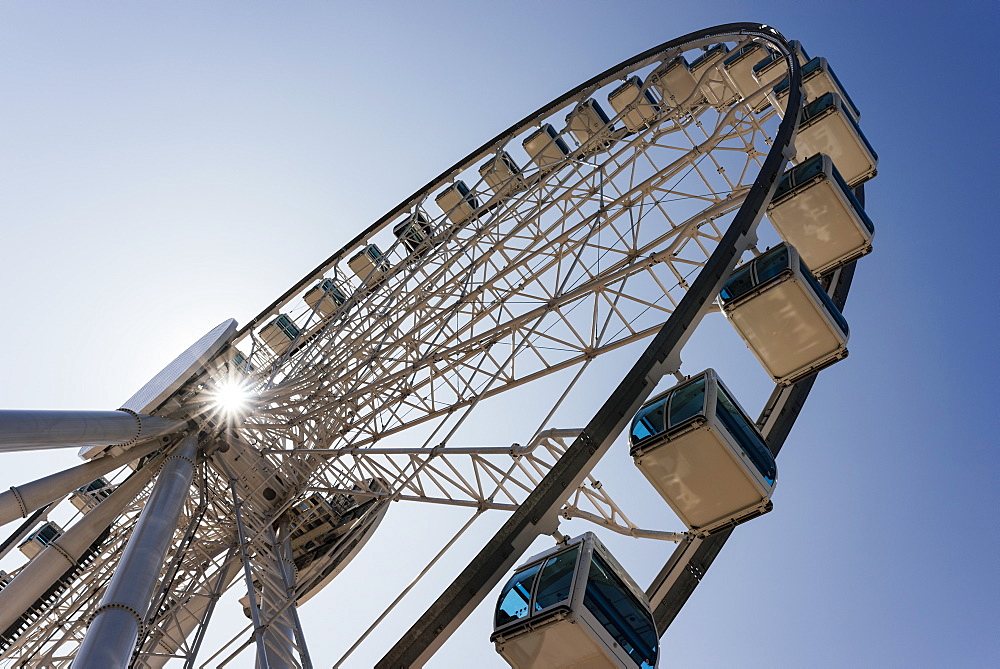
{"x":706,"y":458}
{"x":815,"y":211}
{"x":818,"y":78}
{"x":574,"y":606}
{"x":785,"y":317}
{"x":325,"y":297}
{"x":827,"y":126}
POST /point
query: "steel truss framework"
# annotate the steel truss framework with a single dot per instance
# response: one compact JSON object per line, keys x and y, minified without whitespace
{"x":620,"y":236}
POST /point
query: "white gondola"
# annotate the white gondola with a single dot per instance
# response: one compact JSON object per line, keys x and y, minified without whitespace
{"x":827,"y":127}
{"x":817,"y":78}
{"x":707,"y":68}
{"x":574,"y":606}
{"x":704,"y":456}
{"x":325,"y":297}
{"x":414,"y":232}
{"x":240,"y":363}
{"x":502,"y":175}
{"x":545,"y":147}
{"x":591,"y":126}
{"x":637,"y":106}
{"x":738,"y":67}
{"x":279,"y":334}
{"x":676,"y":85}
{"x":89,"y":496}
{"x":785,"y":317}
{"x":814,"y":211}
{"x":369,"y":264}
{"x":773,"y":69}
{"x":38,"y":540}
{"x":457,"y":202}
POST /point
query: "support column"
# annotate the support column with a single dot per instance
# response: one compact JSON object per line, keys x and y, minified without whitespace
{"x":34,"y":430}
{"x":248,"y":574}
{"x":275,"y":609}
{"x":21,"y":500}
{"x":114,"y":629}
{"x":283,"y":634}
{"x":46,"y":568}
{"x":289,"y":574}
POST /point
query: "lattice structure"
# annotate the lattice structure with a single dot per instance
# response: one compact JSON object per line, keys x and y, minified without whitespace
{"x":514,"y":266}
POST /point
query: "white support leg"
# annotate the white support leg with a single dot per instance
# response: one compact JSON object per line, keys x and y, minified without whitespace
{"x":35,"y":430}
{"x":48,"y":566}
{"x":21,"y":500}
{"x":114,"y":629}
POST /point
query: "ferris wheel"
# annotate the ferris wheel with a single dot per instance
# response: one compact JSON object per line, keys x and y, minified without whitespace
{"x":610,"y":222}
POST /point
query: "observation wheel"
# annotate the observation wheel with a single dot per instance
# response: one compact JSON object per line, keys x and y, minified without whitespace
{"x":602,"y":226}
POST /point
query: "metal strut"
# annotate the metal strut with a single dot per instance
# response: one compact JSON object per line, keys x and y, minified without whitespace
{"x":269,"y":574}
{"x":34,"y":430}
{"x":62,"y":555}
{"x":115,"y":627}
{"x":536,"y":514}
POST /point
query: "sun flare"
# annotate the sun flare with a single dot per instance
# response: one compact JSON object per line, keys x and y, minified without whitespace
{"x":233,"y":398}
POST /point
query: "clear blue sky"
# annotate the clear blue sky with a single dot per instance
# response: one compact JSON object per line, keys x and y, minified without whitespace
{"x":168,"y":165}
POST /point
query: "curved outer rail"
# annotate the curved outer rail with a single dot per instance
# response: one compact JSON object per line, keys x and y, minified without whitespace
{"x":538,"y":513}
{"x":691,"y":40}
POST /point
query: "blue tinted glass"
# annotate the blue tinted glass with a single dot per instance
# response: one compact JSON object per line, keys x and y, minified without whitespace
{"x":861,"y":136}
{"x":620,"y":613}
{"x":47,"y":534}
{"x":687,"y":402}
{"x":741,"y":53}
{"x":825,"y":299}
{"x":810,"y":67}
{"x":809,"y":169}
{"x":746,"y":435}
{"x":648,"y":421}
{"x":556,"y":580}
{"x":597,"y":110}
{"x":512,"y":166}
{"x":771,"y":264}
{"x":843,"y":93}
{"x":853,"y":199}
{"x":827,"y":101}
{"x":799,"y":174}
{"x":817,"y":106}
{"x":738,"y":284}
{"x":515,"y":596}
{"x":708,"y":54}
{"x":767,"y":61}
{"x":784,"y":184}
{"x":286,"y":325}
{"x":796,"y":49}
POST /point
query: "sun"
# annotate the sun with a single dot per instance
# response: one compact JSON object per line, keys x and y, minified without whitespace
{"x":233,"y":398}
